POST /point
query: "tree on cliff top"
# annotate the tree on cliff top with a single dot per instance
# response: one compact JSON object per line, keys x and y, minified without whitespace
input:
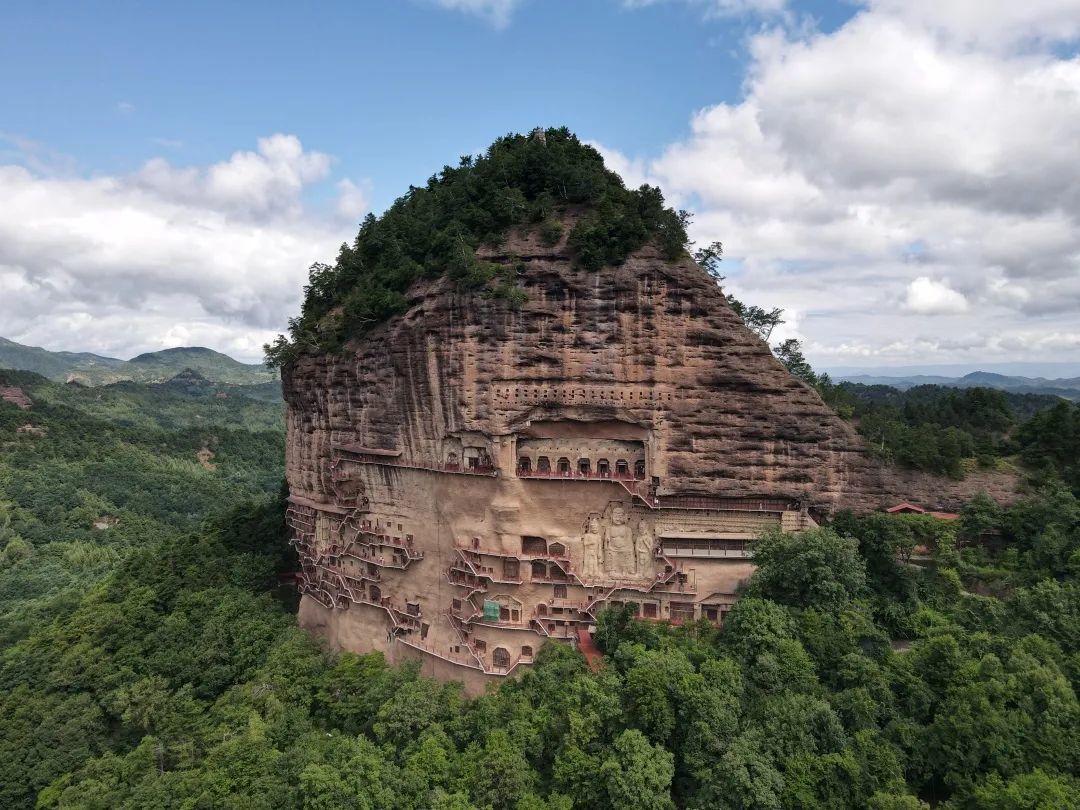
{"x":434,"y":230}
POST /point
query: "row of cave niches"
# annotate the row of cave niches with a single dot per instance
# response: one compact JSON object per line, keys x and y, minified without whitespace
{"x":604,"y":395}
{"x":620,"y":469}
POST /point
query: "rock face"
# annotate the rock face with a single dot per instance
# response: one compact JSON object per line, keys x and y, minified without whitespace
{"x":16,"y":396}
{"x":468,"y":480}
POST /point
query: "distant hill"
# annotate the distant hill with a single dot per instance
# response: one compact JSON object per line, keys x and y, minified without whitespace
{"x":54,"y":365}
{"x":214,"y":366}
{"x":195,"y":384}
{"x":1066,"y":387}
{"x":1049,"y":369}
{"x":93,"y":369}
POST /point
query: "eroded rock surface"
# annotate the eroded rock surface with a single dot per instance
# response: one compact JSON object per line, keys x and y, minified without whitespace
{"x":16,"y":396}
{"x":468,"y":480}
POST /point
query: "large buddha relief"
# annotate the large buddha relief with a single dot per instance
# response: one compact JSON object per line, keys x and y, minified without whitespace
{"x":614,"y":549}
{"x":620,"y":556}
{"x":592,"y":544}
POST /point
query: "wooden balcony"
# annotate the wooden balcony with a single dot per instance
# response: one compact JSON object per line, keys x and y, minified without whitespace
{"x":577,"y":475}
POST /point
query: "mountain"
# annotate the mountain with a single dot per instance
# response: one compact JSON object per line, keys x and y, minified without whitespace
{"x":992,"y":380}
{"x":1066,"y":387}
{"x":214,"y":366}
{"x":1047,"y":369}
{"x":902,"y":383}
{"x":54,"y":365}
{"x":194,"y":384}
{"x":93,"y":369}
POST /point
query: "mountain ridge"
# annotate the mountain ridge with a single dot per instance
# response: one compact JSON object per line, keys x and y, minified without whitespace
{"x":1065,"y":387}
{"x":152,"y":367}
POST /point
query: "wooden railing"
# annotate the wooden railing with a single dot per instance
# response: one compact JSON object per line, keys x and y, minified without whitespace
{"x":455,"y":469}
{"x":577,"y":475}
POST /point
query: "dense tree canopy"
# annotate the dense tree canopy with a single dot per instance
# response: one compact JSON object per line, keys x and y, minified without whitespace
{"x":892,"y":662}
{"x":947,"y":430}
{"x":435,"y":230}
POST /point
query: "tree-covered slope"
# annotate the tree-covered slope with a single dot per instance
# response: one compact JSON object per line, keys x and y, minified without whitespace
{"x":180,"y":682}
{"x":151,"y":661}
{"x":54,"y":365}
{"x":88,"y":474}
{"x":950,"y":431}
{"x":435,"y":230}
{"x":214,"y":366}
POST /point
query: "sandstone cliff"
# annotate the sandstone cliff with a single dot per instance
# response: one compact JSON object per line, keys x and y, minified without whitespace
{"x":470,"y":478}
{"x":16,"y":396}
{"x":650,"y":343}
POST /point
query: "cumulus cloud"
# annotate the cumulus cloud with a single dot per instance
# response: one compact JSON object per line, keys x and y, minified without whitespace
{"x":353,"y":200}
{"x":214,"y":255}
{"x":918,"y":142}
{"x":496,"y":12}
{"x":928,"y":297}
{"x":253,"y":184}
{"x":990,"y":22}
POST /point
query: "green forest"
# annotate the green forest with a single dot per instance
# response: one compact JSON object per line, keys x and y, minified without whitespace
{"x":952,"y":431}
{"x":149,"y":657}
{"x":435,"y":230}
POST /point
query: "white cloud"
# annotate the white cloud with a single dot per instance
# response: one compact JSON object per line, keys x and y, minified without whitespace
{"x":918,"y":142}
{"x":496,"y":12}
{"x":215,"y":255}
{"x":125,"y":107}
{"x":928,"y":297}
{"x":353,"y":200}
{"x":990,"y":22}
{"x":633,"y":171}
{"x":1001,"y":290}
{"x":258,"y":183}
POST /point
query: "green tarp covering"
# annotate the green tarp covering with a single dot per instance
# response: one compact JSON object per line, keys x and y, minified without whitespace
{"x":491,"y":610}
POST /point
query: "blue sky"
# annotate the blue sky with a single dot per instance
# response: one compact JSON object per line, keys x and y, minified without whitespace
{"x":172,"y":169}
{"x":392,"y":88}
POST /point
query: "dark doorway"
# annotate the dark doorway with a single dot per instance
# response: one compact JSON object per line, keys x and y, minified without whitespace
{"x":533,"y":545}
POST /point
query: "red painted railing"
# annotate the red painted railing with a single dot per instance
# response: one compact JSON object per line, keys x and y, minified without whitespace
{"x":577,"y":475}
